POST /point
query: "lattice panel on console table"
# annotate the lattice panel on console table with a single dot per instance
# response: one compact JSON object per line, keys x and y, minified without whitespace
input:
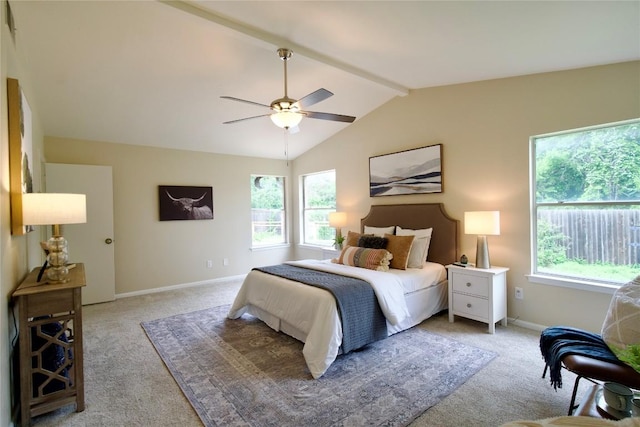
{"x":52,"y":356}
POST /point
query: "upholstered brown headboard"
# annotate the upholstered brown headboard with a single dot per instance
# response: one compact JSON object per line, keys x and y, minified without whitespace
{"x":444,"y":238}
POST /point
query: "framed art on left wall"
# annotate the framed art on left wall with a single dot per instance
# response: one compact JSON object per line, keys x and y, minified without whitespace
{"x":20,"y":153}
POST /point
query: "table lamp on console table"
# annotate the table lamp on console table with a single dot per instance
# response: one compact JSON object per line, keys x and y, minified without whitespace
{"x":55,"y":209}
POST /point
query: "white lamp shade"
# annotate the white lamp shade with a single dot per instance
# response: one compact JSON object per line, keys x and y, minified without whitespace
{"x":53,"y":208}
{"x":286,"y":119}
{"x":337,"y":219}
{"x":484,"y":223}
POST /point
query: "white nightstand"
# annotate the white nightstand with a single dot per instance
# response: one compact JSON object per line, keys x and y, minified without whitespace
{"x":478,"y":294}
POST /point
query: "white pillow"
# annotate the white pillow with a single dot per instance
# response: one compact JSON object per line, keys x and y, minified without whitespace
{"x":420,"y":247}
{"x":379,"y":231}
{"x":621,"y":327}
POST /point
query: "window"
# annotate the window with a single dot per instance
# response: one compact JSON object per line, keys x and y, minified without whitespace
{"x":586,"y":202}
{"x":268,"y":215}
{"x":318,"y":200}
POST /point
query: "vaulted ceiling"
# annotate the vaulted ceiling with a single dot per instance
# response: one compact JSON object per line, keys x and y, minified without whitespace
{"x":152,"y":72}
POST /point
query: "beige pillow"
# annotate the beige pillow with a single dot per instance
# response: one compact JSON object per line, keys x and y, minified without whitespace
{"x":353,"y":237}
{"x":621,"y":327}
{"x":399,"y":246}
{"x":420,"y":246}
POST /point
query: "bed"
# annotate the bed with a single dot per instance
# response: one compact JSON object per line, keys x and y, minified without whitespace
{"x":406,"y":297}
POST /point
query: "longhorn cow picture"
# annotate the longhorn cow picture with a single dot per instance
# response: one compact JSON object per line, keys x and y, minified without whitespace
{"x":185,"y":203}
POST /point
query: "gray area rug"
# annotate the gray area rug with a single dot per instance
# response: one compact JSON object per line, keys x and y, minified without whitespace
{"x":242,"y":373}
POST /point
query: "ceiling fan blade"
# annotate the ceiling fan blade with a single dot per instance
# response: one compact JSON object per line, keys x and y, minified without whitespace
{"x":245,"y":101}
{"x":328,"y":116}
{"x":246,"y":118}
{"x":314,"y":97}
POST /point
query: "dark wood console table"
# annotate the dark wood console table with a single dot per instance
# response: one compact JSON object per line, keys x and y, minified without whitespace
{"x":50,"y":335}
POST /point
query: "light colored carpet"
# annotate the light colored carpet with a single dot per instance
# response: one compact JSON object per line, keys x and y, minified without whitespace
{"x":127,"y":384}
{"x":241,"y":371}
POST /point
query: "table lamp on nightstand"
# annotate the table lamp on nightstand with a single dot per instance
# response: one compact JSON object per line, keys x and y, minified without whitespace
{"x":338,"y":220}
{"x":482,"y":223}
{"x":55,"y":209}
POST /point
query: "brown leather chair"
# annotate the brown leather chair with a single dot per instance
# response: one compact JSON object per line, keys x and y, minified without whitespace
{"x":597,"y":371}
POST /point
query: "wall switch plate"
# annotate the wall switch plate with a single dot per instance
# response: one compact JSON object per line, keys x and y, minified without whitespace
{"x":519,"y":293}
{"x":225,"y":262}
{"x":209,"y":263}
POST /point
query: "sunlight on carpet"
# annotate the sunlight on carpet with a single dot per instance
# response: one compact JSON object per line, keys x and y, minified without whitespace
{"x":239,"y":372}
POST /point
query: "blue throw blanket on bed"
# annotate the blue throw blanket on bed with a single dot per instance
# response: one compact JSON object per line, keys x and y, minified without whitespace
{"x":362,"y":319}
{"x":557,"y":342}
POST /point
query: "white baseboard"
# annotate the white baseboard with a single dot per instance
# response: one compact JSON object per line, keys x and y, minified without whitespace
{"x":513,"y":321}
{"x":180,"y":286}
{"x":527,"y":325}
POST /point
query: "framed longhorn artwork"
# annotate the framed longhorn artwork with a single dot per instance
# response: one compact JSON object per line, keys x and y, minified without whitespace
{"x":185,"y":202}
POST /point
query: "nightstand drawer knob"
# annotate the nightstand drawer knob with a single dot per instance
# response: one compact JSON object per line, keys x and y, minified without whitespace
{"x":468,"y":285}
{"x":468,"y":305}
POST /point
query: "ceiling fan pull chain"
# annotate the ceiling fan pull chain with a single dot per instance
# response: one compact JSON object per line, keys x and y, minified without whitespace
{"x":286,"y":145}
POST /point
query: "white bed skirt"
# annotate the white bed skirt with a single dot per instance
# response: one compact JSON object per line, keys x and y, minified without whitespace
{"x":422,"y":305}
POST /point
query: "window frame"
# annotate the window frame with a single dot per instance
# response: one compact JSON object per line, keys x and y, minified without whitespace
{"x":285,"y":214}
{"x":304,"y":209}
{"x":535,"y":276}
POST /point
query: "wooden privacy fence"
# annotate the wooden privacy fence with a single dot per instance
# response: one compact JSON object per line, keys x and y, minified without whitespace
{"x":610,"y":236}
{"x":267,"y":221}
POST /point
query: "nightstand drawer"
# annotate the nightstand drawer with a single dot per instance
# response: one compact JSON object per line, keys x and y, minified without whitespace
{"x":472,"y":306}
{"x":468,"y":284}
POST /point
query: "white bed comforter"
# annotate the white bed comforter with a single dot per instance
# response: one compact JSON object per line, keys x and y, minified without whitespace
{"x":312,"y":310}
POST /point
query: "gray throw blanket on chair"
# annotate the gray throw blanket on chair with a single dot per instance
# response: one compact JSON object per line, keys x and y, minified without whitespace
{"x":362,"y":319}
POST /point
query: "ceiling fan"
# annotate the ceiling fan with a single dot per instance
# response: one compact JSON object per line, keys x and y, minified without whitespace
{"x":287,"y":112}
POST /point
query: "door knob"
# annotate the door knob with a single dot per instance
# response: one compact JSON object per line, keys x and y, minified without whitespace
{"x":108,"y":241}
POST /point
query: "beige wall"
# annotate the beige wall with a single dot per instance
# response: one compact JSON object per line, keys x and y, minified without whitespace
{"x":152,"y":254}
{"x":484,"y":128}
{"x":15,"y":251}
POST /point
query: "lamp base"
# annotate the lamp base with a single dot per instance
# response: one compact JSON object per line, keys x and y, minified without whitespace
{"x":58,"y":272}
{"x":51,"y":281}
{"x":482,"y":253}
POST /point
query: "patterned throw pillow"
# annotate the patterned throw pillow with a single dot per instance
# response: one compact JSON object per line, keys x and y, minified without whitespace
{"x":621,"y":327}
{"x":373,"y":259}
{"x":373,"y":242}
{"x":399,"y":246}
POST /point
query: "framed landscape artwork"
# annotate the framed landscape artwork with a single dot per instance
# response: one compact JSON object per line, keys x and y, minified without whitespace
{"x":185,"y":202}
{"x":20,"y":153}
{"x":413,"y":171}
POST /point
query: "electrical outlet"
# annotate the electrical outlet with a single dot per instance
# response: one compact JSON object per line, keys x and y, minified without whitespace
{"x":519,"y":293}
{"x":209,"y":263}
{"x":225,"y":262}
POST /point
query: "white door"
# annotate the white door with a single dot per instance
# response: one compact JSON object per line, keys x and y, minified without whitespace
{"x":90,"y":243}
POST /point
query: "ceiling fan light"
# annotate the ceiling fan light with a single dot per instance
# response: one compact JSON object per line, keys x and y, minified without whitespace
{"x":286,"y":119}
